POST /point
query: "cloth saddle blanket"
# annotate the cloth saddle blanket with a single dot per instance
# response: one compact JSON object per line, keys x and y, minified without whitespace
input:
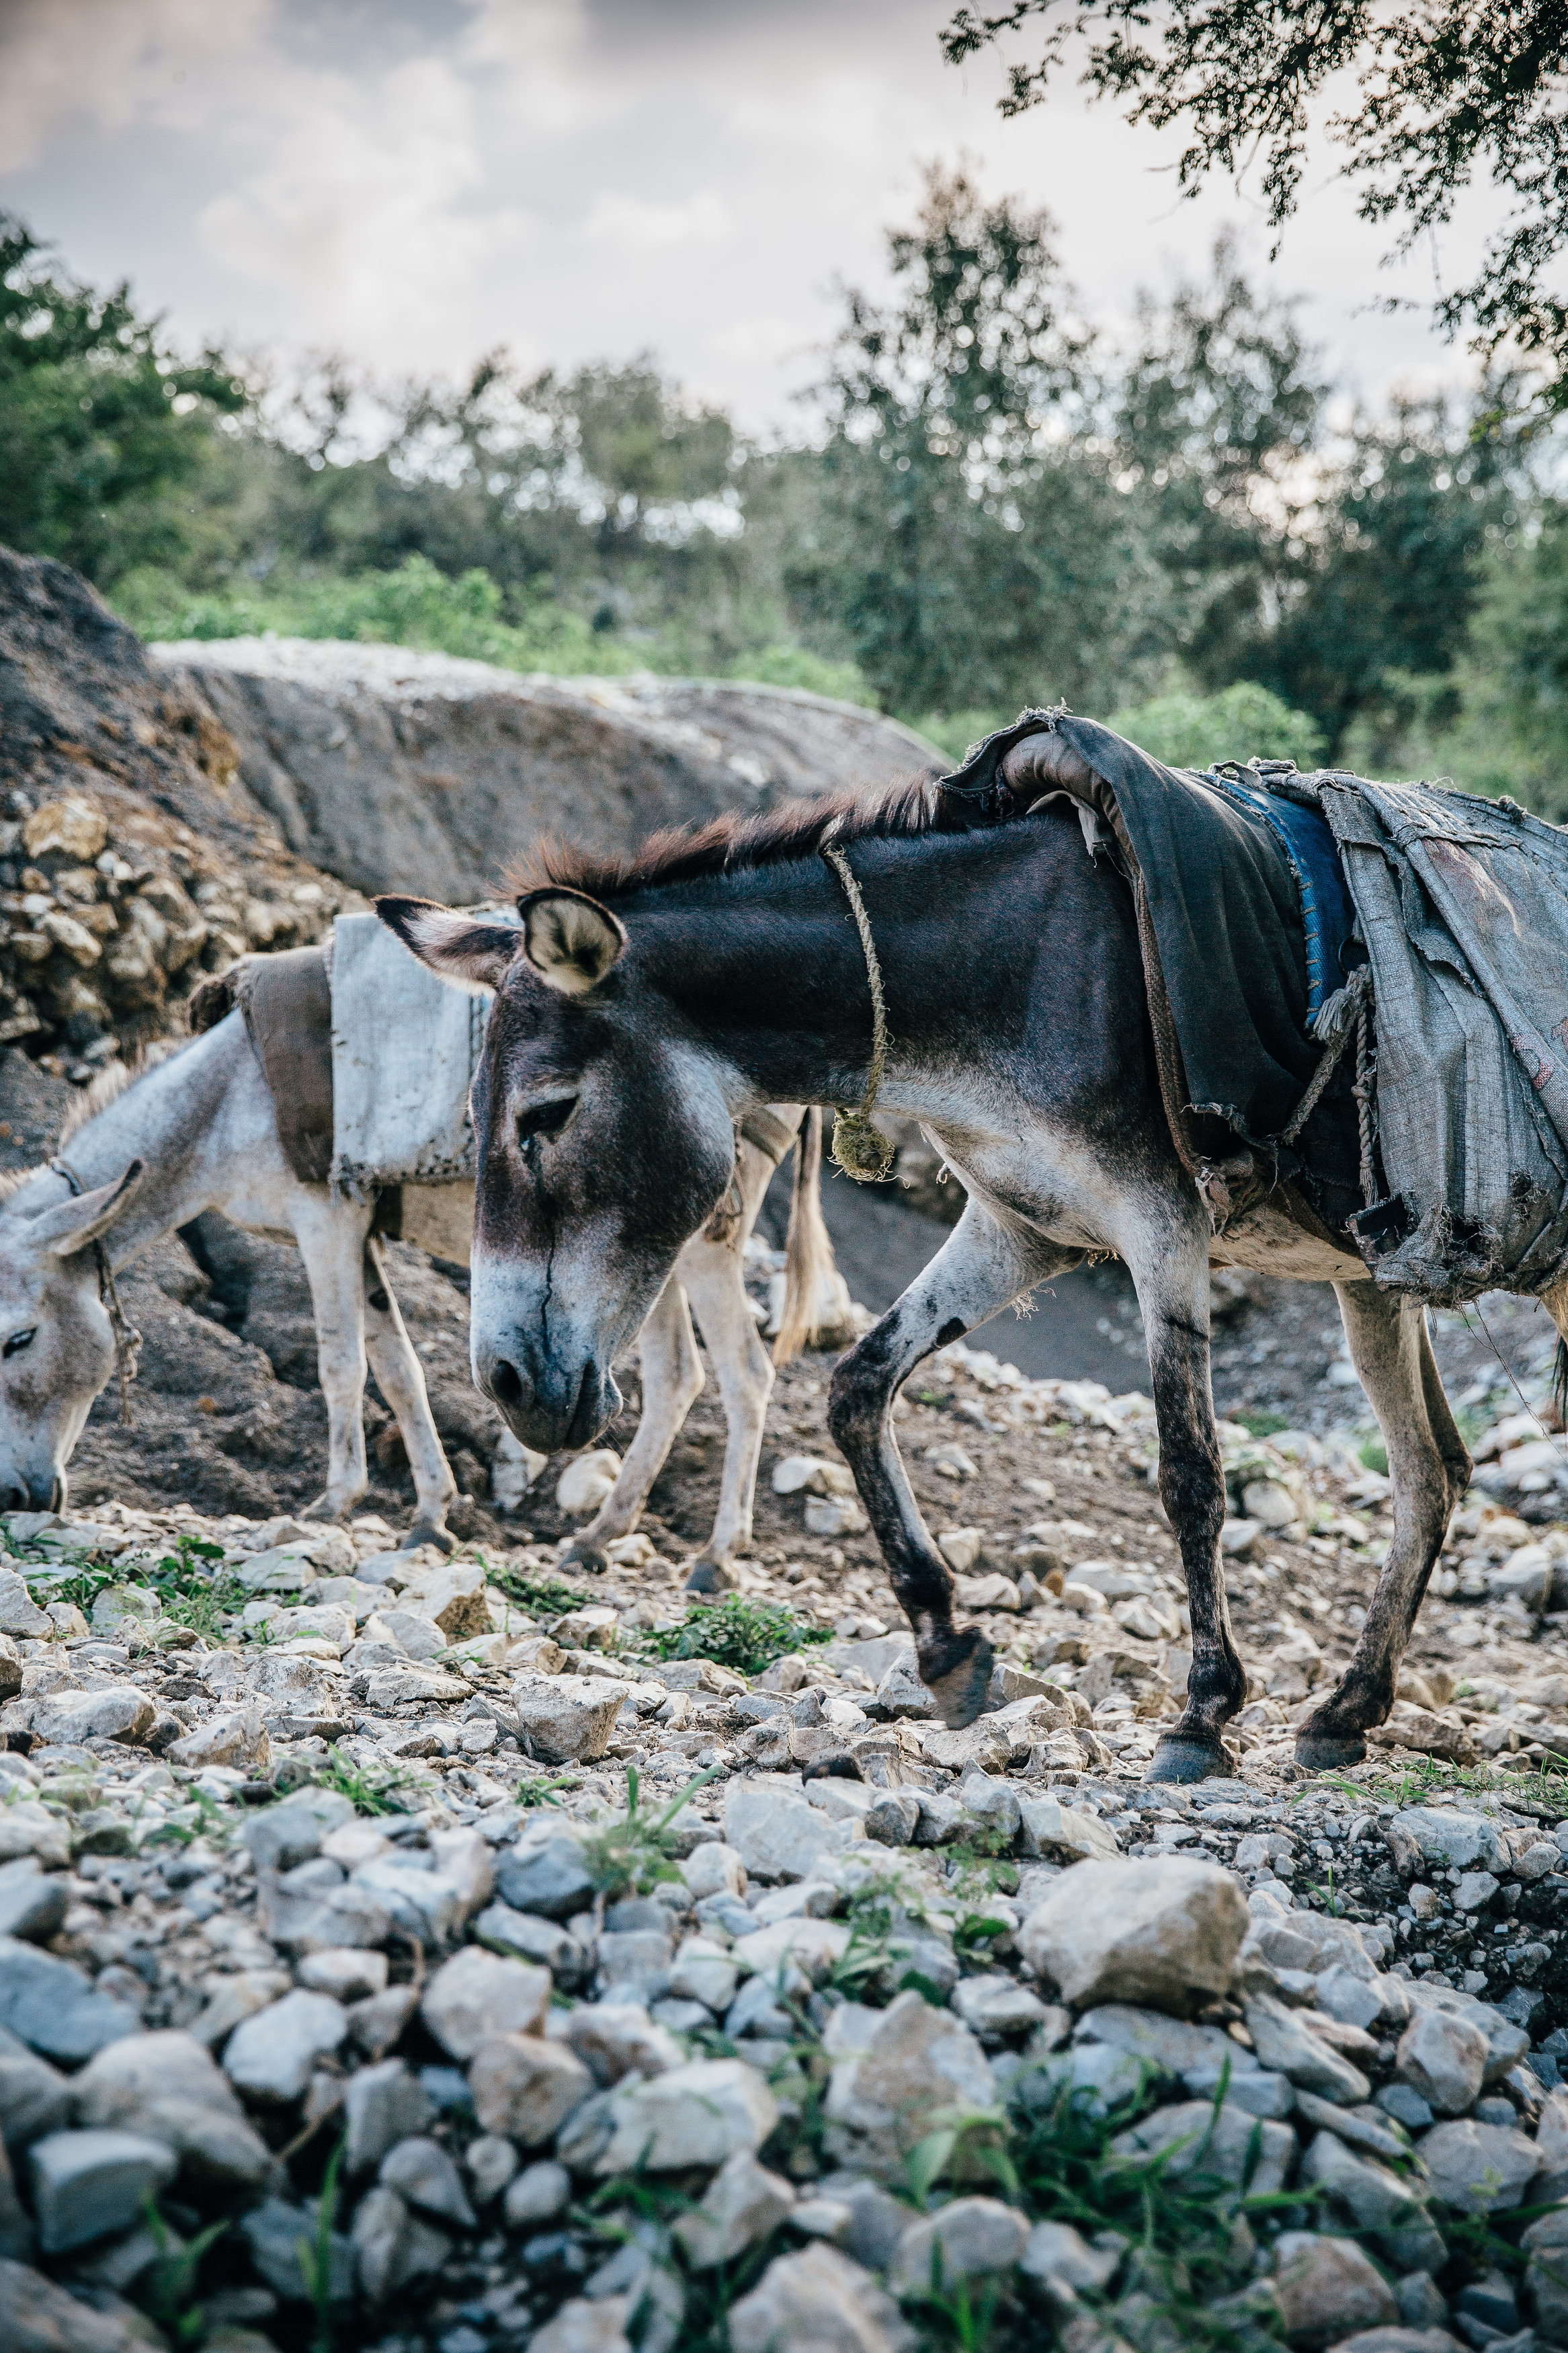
{"x":368,"y":1058}
{"x":1245,"y":925}
{"x":1258,"y":892}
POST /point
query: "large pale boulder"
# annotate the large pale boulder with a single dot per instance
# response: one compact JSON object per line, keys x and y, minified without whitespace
{"x":1159,"y":1933}
{"x":821,"y":2300}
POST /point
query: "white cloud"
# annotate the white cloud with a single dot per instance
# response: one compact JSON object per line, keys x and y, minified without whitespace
{"x":360,"y":213}
{"x":112,"y":64}
{"x":645,"y":224}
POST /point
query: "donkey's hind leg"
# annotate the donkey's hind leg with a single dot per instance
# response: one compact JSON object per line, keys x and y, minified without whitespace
{"x":400,"y":1378}
{"x":671,"y":1382}
{"x":1429,"y":1470}
{"x":980,"y":1267}
{"x":331,"y":1237}
{"x":1171,"y":1272}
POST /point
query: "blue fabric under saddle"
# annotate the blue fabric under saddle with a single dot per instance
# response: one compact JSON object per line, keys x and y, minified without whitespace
{"x":1326,"y":914}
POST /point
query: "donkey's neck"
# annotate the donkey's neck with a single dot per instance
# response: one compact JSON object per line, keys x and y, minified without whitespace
{"x":172,"y":1119}
{"x":766,"y":966}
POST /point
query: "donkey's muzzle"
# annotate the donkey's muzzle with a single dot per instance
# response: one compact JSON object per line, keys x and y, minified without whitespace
{"x":555,"y":1408}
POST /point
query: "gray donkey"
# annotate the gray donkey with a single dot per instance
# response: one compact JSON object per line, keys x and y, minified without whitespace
{"x":650,"y":1000}
{"x":147,"y":1149}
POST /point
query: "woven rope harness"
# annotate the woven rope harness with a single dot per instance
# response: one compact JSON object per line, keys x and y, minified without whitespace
{"x":861,"y":1150}
{"x":126,"y":1340}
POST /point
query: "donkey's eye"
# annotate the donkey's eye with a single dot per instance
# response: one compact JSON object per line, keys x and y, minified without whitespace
{"x":18,"y":1341}
{"x":545,"y":1118}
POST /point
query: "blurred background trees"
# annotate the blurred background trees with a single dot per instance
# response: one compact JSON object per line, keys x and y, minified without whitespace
{"x":988,"y":503}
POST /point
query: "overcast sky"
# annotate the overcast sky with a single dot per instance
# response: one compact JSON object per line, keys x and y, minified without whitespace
{"x":414,"y":182}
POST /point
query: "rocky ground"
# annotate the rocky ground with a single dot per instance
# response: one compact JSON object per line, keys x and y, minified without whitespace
{"x":351,"y":1993}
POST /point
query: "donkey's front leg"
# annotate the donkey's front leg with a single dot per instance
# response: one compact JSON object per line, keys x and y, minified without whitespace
{"x":400,"y":1378}
{"x":1172,"y":1275}
{"x":745,"y":1377}
{"x":979,"y":1269}
{"x":1429,"y":1469}
{"x":331,"y":1237}
{"x":671,"y":1382}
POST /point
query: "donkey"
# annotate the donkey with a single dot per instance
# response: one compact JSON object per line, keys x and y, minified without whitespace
{"x":649,"y":1001}
{"x":146,"y":1150}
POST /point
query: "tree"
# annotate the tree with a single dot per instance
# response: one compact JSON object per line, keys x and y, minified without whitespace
{"x":1213,"y":418}
{"x":1443,"y":88}
{"x":99,"y":420}
{"x":969,"y":544}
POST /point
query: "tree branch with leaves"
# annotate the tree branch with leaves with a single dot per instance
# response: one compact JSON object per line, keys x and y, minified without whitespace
{"x":1445,"y":91}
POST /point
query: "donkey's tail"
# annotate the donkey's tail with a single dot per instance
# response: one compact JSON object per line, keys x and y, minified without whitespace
{"x":1560,"y":1383}
{"x":808,"y":1251}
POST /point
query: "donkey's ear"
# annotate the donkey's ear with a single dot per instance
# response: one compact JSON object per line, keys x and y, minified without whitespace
{"x":76,"y":1224}
{"x":457,"y":948}
{"x":569,"y":939}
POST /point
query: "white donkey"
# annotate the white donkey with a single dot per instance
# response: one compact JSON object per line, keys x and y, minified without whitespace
{"x":147,"y":1149}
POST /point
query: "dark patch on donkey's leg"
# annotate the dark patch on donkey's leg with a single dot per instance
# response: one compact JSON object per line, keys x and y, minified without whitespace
{"x":954,"y":1662}
{"x":1192,"y":1489}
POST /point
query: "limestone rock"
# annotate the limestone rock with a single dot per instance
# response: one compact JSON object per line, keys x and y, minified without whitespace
{"x":1479,"y":2168}
{"x":1284,"y":2043}
{"x":238,"y":1737}
{"x":112,"y":1712}
{"x":1441,"y":1834}
{"x":615,"y":2039}
{"x":50,"y":2004}
{"x":585,"y":2327}
{"x":36,"y":2316}
{"x":271,"y":2057}
{"x":968,"y":2239}
{"x":1326,"y":2287}
{"x":1156,"y":1933}
{"x":909,"y":2065}
{"x":545,"y":1874}
{"x":1193,"y":2139}
{"x":525,"y":2088}
{"x":817,"y":2299}
{"x":740,"y":2205}
{"x":383,"y":2104}
{"x":476,"y":1993}
{"x":425,"y":2177}
{"x":33,"y":1902}
{"x":168,"y":2086}
{"x":392,"y":2247}
{"x":87,"y":2184}
{"x":696,"y":2114}
{"x":564,"y":1718}
{"x":1444,"y":2059}
{"x":775,"y":1832}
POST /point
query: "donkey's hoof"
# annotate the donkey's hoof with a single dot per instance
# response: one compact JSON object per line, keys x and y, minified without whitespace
{"x":1178,"y":1759}
{"x":962,"y":1678}
{"x":1327,"y":1752}
{"x":586,"y":1556}
{"x":426,"y":1532}
{"x":709,"y":1577}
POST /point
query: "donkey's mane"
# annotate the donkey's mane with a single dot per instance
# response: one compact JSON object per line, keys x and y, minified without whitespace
{"x":114,"y":1082}
{"x":793,"y":829}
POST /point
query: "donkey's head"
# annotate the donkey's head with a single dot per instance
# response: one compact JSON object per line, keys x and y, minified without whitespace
{"x":605,"y":1140}
{"x":57,"y":1347}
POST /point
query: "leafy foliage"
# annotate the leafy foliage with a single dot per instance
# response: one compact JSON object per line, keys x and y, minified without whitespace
{"x":1439,"y":93}
{"x":630,"y":1856}
{"x":1193,"y":731}
{"x":101,"y":422}
{"x":736,"y":1632}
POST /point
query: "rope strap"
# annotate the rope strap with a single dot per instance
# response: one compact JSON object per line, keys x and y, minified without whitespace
{"x":858,"y":1147}
{"x":1346,"y":1014}
{"x":126,"y":1340}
